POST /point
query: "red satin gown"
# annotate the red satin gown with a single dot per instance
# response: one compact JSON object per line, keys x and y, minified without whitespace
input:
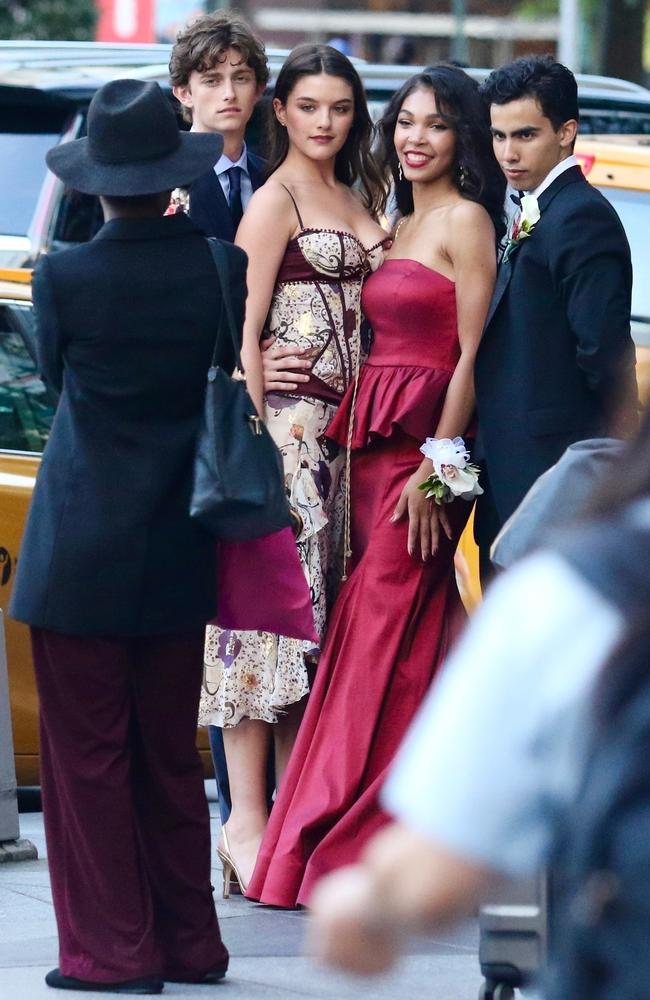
{"x":391,"y":624}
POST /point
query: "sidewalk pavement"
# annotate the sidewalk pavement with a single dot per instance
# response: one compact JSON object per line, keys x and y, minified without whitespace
{"x":267,"y":959}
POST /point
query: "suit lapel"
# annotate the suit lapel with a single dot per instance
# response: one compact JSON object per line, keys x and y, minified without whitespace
{"x":571,"y":176}
{"x":257,"y":170}
{"x":219,"y":208}
{"x":503,"y":280}
{"x":209,"y":206}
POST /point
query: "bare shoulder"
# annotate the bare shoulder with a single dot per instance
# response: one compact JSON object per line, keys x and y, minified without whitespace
{"x":272,"y":198}
{"x":470,"y":226}
{"x":466,"y":212}
{"x":269,"y":211}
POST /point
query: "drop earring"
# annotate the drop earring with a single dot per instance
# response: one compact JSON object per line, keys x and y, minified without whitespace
{"x":462,"y":176}
{"x":399,"y":171}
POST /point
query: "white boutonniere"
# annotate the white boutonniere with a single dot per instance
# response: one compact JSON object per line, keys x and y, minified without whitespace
{"x":522,"y":225}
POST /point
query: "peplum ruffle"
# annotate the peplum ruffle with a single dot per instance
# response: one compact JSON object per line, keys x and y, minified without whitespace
{"x":389,"y":397}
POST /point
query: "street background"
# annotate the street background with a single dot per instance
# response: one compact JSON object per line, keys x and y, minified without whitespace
{"x":266,"y":946}
{"x":590,"y":36}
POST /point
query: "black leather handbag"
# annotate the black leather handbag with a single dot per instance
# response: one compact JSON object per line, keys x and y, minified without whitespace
{"x":238,"y":491}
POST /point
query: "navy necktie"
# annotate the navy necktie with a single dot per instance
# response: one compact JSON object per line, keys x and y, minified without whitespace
{"x":234,"y":195}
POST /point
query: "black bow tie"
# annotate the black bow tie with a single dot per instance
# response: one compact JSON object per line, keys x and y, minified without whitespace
{"x":517,"y":198}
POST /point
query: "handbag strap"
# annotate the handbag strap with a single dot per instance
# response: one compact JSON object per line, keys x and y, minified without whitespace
{"x":220,"y":257}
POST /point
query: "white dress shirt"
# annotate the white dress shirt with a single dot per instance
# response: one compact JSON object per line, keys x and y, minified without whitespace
{"x":559,"y":168}
{"x":495,"y":753}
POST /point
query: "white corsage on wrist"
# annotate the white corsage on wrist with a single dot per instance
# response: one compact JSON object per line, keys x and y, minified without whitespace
{"x":453,"y":474}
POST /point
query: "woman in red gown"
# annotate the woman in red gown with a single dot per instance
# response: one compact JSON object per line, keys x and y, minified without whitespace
{"x":392,"y":623}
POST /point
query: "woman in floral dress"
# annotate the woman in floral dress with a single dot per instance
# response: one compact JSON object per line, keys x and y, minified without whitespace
{"x":310,"y":241}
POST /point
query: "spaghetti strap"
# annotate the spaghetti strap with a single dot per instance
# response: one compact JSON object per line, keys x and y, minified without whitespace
{"x":300,"y":222}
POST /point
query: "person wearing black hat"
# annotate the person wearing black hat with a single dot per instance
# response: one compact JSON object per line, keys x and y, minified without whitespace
{"x":114,"y":578}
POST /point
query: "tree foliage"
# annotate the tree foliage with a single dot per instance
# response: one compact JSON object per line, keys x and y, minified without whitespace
{"x":619,"y":25}
{"x":613,"y":33}
{"x":42,"y":20}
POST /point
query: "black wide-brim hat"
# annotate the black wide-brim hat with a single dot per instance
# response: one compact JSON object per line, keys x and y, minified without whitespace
{"x":133,"y":146}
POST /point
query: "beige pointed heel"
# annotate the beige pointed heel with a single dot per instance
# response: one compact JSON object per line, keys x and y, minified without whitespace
{"x":229,"y":868}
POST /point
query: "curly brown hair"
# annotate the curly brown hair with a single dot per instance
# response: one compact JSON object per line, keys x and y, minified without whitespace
{"x":202,"y":44}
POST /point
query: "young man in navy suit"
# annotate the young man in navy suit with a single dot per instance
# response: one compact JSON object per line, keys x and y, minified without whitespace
{"x":556,"y":362}
{"x":218,"y":70}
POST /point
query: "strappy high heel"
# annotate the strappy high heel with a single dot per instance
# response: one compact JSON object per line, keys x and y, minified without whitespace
{"x":229,"y":868}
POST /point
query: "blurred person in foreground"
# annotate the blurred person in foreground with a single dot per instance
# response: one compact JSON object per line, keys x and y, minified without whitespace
{"x":556,"y":361}
{"x":531,"y":750}
{"x":115,"y":579}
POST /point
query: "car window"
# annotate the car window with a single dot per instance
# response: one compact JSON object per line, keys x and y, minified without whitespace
{"x":22,"y":155}
{"x":633,"y":208}
{"x":614,"y":122}
{"x":30,"y":124}
{"x":26,"y":405}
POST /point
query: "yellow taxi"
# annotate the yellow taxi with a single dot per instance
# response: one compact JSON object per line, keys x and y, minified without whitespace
{"x":619,"y":165}
{"x":25,"y":415}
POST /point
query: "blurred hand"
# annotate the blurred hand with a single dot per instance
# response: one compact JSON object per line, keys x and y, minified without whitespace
{"x":284,"y":367}
{"x":347,"y":930}
{"x":426,"y":518}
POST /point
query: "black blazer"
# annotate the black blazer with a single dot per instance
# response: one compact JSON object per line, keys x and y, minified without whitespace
{"x":208,"y":206}
{"x":126,"y":325}
{"x":556,"y":355}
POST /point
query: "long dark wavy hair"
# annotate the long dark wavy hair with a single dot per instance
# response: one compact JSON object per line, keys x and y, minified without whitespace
{"x":355,"y":162}
{"x":477,"y":174}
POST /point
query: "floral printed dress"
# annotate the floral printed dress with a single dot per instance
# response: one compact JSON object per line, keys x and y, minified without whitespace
{"x":316,"y":304}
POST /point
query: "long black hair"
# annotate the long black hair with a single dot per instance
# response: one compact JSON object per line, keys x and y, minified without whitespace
{"x":355,"y":162}
{"x":477,"y":174}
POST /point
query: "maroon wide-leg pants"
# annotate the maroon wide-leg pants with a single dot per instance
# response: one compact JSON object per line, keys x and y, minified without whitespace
{"x":126,"y":819}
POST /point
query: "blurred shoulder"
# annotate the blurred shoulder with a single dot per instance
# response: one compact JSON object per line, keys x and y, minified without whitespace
{"x":586,"y":210}
{"x":237,"y":258}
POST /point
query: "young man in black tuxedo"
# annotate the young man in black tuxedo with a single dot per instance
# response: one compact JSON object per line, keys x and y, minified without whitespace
{"x":218,"y":70}
{"x":556,"y":362}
